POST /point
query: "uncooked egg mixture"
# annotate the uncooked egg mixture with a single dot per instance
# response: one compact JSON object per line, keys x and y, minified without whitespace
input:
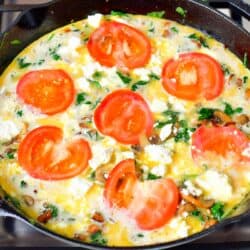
{"x":125,"y":130}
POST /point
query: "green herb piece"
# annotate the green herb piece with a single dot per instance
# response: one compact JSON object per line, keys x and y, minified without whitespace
{"x":172,"y":117}
{"x":230,"y":111}
{"x":53,"y":209}
{"x":23,"y":184}
{"x":94,"y":135}
{"x":182,"y":12}
{"x":217,"y":210}
{"x":97,"y":75}
{"x":225,"y":69}
{"x":200,"y":39}
{"x":19,"y":113}
{"x":118,"y":13}
{"x":136,"y":85}
{"x":245,"y":79}
{"x":152,"y":29}
{"x":51,"y":37}
{"x":153,"y":76}
{"x":245,"y":59}
{"x":205,"y":114}
{"x":10,"y":156}
{"x":152,"y":176}
{"x":13,"y":200}
{"x":174,"y":29}
{"x":95,"y":83}
{"x":125,"y":78}
{"x":15,"y":42}
{"x":140,"y":235}
{"x":157,"y":14}
{"x":81,"y":99}
{"x":53,"y":53}
{"x":183,"y":132}
{"x":22,"y":64}
{"x":198,"y":215}
{"x":97,"y":238}
{"x":92,"y":175}
{"x":41,"y":61}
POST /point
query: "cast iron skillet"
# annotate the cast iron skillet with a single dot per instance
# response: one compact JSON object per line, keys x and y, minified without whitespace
{"x":35,"y":21}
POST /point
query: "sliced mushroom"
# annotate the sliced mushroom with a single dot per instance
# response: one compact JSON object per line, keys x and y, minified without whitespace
{"x":234,"y":80}
{"x":101,"y":173}
{"x":137,"y":148}
{"x":93,"y":228}
{"x":221,"y":118}
{"x":242,"y":119}
{"x":98,"y":217}
{"x":187,"y":207}
{"x":29,"y":201}
{"x":45,"y":216}
{"x":210,"y":223}
{"x":154,"y":139}
{"x":81,"y":237}
{"x":197,"y":201}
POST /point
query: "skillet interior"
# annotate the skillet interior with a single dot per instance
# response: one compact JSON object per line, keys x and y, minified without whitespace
{"x":58,"y":15}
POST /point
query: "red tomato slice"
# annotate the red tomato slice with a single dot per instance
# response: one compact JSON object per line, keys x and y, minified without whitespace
{"x":43,"y":154}
{"x":125,"y":116}
{"x":119,"y":186}
{"x":51,"y":91}
{"x":220,"y":140}
{"x":192,"y":76}
{"x":117,"y":44}
{"x":151,"y":203}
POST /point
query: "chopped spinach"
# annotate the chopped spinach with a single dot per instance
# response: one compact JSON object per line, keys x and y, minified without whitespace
{"x":200,"y":39}
{"x":198,"y":215}
{"x":53,"y":209}
{"x":174,"y":29}
{"x":125,"y":78}
{"x":10,"y":155}
{"x":205,"y":114}
{"x":22,"y":63}
{"x":23,"y":184}
{"x":183,"y":133}
{"x":94,"y":135}
{"x":230,"y":111}
{"x":245,"y":79}
{"x":53,"y":52}
{"x":118,"y":13}
{"x":15,"y":42}
{"x":136,"y":85}
{"x":152,"y":176}
{"x":245,"y":59}
{"x":81,"y":99}
{"x":225,"y":69}
{"x":140,"y":235}
{"x":182,"y":12}
{"x":95,"y":83}
{"x":171,"y":117}
{"x":41,"y":61}
{"x":217,"y":210}
{"x":153,"y":76}
{"x":97,"y":238}
{"x":92,"y":175}
{"x":19,"y":113}
{"x":157,"y":14}
{"x":51,"y":37}
{"x":97,"y":75}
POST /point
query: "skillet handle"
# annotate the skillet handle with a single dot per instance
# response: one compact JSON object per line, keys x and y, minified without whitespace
{"x":242,"y":7}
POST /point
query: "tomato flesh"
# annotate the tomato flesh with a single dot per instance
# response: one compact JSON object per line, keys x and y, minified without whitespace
{"x":219,"y":140}
{"x":193,"y":76}
{"x":51,"y":91}
{"x":117,"y":44}
{"x":125,"y":116}
{"x":151,"y":203}
{"x":43,"y":154}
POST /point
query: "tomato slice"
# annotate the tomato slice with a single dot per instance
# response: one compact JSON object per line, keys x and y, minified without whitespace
{"x":125,"y":116}
{"x":220,"y":140}
{"x":120,"y":184}
{"x":192,"y":76}
{"x":44,"y":155}
{"x":51,"y":91}
{"x":151,"y":203}
{"x":117,"y":44}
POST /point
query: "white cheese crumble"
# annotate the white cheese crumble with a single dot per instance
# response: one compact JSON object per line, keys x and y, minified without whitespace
{"x":216,"y":185}
{"x":95,"y":20}
{"x":158,"y":106}
{"x":158,"y":153}
{"x":246,"y":151}
{"x":166,"y":131}
{"x":176,"y":104}
{"x":101,"y":155}
{"x":179,"y":226}
{"x":78,"y":187}
{"x":8,"y":130}
{"x":159,"y":170}
{"x":191,"y":189}
{"x":142,"y":73}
